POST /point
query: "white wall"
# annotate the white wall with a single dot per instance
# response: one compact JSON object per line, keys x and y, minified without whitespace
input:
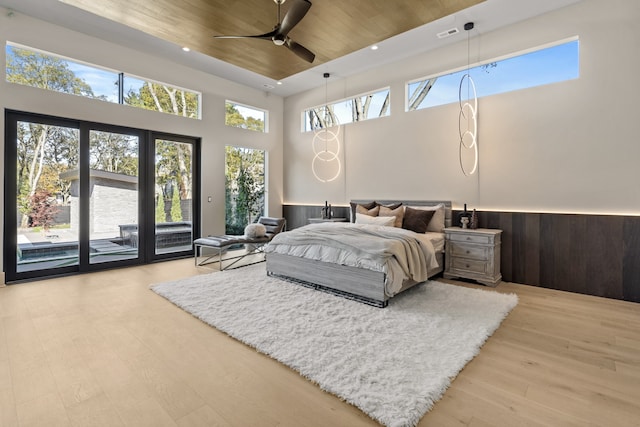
{"x":215,"y":135}
{"x":565,"y":147}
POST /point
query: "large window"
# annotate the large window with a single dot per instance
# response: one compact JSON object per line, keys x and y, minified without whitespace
{"x":362,"y":107}
{"x":535,"y":68}
{"x":45,"y":70}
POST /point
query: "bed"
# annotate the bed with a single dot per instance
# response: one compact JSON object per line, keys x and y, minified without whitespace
{"x":387,"y":261}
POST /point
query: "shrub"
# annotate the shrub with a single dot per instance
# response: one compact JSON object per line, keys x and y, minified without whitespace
{"x":42,"y":210}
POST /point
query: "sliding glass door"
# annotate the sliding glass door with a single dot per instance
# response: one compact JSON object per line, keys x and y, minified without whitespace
{"x":114,"y":199}
{"x":45,"y":160}
{"x":174,"y":204}
{"x":82,"y":196}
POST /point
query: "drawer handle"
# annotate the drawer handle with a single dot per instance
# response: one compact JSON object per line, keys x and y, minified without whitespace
{"x":468,"y":251}
{"x":468,"y":238}
{"x":468,"y":266}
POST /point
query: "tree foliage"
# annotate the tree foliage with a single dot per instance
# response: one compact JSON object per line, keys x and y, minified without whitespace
{"x":164,"y":98}
{"x":244,"y":187}
{"x":44,"y":71}
{"x":114,"y":152}
{"x":234,"y":118}
{"x":174,"y":175}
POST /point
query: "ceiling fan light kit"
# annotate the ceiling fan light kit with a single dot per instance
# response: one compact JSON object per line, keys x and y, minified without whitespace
{"x":279,"y":34}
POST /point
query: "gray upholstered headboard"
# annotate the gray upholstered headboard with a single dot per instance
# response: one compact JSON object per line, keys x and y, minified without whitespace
{"x":446,"y":203}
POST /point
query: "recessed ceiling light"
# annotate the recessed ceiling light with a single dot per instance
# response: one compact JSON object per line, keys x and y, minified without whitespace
{"x":374,"y":47}
{"x":279,"y":83}
{"x":186,"y":49}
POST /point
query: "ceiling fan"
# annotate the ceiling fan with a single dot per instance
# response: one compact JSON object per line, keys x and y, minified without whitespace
{"x":278,"y":36}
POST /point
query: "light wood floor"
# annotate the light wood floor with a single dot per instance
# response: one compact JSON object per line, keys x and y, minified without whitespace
{"x":102,"y":349}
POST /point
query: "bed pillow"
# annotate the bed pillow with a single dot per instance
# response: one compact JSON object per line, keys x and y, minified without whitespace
{"x":374,"y":220}
{"x":390,"y":205}
{"x":354,"y":206}
{"x":397,"y":213}
{"x":253,"y":231}
{"x":416,"y":219}
{"x":437,"y":222}
{"x":365,"y":211}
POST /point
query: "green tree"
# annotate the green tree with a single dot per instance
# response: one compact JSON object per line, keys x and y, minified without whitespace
{"x":173,"y":171}
{"x":114,"y":152}
{"x":44,"y":71}
{"x":244,"y":187}
{"x":164,"y":98}
{"x":234,"y":118}
{"x":176,"y":211}
{"x":159,"y":208}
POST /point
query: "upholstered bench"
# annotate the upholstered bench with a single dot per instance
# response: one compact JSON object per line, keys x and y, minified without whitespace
{"x":254,"y":242}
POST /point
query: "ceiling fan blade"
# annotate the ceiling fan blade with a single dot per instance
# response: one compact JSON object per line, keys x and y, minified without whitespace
{"x":300,"y":50}
{"x":267,"y":36}
{"x":296,"y":12}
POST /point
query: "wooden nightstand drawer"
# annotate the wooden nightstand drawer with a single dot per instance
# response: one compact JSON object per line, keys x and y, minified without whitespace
{"x":469,"y":251}
{"x":484,"y":239}
{"x":468,"y":265}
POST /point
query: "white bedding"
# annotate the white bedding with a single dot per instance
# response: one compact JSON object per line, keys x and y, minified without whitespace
{"x":437,"y":240}
{"x":400,"y":254}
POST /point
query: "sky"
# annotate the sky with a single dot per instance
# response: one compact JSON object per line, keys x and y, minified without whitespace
{"x":550,"y":65}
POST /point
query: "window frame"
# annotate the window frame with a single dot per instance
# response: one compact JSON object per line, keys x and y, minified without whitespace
{"x":250,"y":107}
{"x":303,"y":115}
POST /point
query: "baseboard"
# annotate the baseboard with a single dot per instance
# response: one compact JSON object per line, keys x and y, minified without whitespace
{"x":2,"y":283}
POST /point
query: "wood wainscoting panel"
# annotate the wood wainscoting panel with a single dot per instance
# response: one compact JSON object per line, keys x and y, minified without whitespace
{"x":631,"y":259}
{"x":588,"y":254}
{"x":605,"y":256}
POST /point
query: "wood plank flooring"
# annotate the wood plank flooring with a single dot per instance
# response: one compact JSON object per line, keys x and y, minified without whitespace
{"x":101,"y":349}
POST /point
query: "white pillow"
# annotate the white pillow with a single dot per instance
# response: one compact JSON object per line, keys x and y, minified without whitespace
{"x":437,"y":221}
{"x":252,"y":231}
{"x":375,"y":220}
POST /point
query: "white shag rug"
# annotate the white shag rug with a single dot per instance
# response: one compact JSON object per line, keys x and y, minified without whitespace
{"x":393,"y":363}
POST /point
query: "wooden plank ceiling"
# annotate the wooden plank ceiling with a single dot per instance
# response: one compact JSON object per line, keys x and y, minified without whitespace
{"x":331,"y":29}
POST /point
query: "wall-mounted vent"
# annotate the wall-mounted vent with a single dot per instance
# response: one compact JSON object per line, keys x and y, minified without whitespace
{"x":448,"y":33}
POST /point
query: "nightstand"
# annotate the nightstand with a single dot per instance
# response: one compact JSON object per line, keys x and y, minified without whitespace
{"x":316,"y":220}
{"x":473,"y":254}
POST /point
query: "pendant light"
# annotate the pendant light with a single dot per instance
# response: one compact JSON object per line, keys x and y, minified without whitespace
{"x":468,"y":116}
{"x":326,"y":164}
